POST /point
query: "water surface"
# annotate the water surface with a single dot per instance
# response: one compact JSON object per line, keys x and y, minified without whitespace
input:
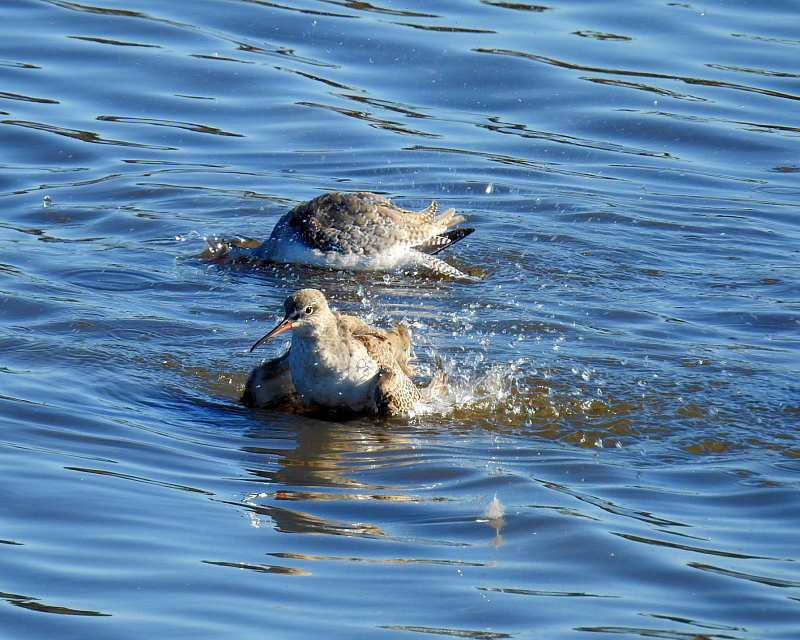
{"x":620,"y":455}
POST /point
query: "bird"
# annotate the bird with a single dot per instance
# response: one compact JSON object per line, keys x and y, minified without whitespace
{"x":355,"y":230}
{"x":338,"y":363}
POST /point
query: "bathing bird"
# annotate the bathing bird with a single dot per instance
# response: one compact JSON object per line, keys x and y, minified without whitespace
{"x":353,"y":230}
{"x":338,"y":363}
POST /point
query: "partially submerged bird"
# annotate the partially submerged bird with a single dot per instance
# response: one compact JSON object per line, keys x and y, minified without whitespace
{"x":353,"y":230}
{"x":337,"y":363}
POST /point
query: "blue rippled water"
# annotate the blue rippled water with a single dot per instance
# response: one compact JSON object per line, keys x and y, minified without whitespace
{"x":621,"y":457}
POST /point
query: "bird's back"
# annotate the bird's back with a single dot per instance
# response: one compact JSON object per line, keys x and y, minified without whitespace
{"x":362,"y":223}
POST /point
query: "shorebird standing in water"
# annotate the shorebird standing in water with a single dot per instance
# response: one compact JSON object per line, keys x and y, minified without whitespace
{"x":337,"y":363}
{"x":353,"y":230}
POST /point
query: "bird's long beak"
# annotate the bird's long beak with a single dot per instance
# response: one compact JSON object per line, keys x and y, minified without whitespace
{"x":286,"y":324}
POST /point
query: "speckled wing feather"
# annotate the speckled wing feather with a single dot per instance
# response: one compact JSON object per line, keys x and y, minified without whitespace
{"x":367,"y":224}
{"x":395,"y":393}
{"x":398,"y":340}
{"x":435,"y":244}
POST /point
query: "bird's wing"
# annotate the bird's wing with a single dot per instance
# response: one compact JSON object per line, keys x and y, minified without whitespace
{"x":395,"y":393}
{"x":270,"y":386}
{"x":397,"y":341}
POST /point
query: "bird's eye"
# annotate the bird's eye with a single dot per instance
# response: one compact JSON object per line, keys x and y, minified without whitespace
{"x":309,"y":310}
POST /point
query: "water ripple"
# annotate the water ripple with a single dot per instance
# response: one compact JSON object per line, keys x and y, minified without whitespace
{"x":84,"y":136}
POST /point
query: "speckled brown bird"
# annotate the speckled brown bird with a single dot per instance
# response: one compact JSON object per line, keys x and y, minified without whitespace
{"x":337,"y":363}
{"x":354,"y":230}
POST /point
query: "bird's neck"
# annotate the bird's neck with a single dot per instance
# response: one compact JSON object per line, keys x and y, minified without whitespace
{"x":326,"y":337}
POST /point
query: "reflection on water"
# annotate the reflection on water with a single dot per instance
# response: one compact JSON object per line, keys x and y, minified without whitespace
{"x":621,"y":433}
